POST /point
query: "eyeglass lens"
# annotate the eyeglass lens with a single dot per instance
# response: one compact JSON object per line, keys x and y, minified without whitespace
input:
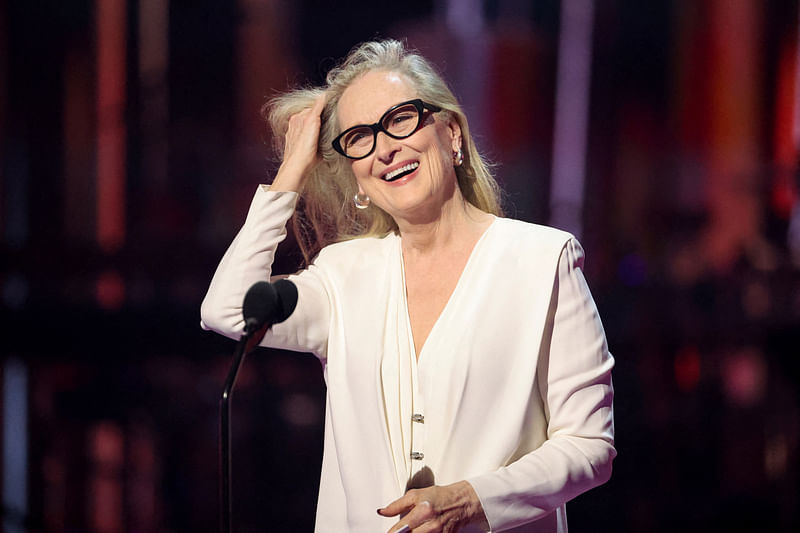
{"x":398,"y":123}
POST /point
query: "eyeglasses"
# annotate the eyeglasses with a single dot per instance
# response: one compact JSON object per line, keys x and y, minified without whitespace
{"x":401,"y":121}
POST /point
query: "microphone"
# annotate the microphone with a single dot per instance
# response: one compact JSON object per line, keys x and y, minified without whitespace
{"x":264,"y":304}
{"x":267,"y":304}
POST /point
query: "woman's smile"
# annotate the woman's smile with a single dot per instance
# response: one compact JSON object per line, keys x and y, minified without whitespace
{"x":401,"y":172}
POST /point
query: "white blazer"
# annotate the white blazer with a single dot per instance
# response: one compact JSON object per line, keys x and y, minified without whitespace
{"x":511,"y":391}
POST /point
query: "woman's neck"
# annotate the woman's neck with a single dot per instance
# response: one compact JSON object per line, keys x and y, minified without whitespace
{"x":457,"y":223}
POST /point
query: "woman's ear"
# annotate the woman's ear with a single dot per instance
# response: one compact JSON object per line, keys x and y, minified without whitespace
{"x":455,"y":134}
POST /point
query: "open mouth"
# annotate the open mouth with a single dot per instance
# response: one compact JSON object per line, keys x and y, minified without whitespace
{"x":398,"y":173}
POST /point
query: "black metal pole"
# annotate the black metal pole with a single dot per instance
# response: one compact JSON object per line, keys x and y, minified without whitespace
{"x":247,"y":343}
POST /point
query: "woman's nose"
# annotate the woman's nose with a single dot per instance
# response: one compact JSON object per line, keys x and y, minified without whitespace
{"x":385,"y":147}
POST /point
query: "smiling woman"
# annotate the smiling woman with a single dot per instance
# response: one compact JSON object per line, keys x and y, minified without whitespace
{"x":327,"y":213}
{"x":429,"y":190}
{"x":468,"y":377}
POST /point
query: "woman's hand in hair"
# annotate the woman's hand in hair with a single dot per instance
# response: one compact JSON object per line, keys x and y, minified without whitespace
{"x":300,"y":153}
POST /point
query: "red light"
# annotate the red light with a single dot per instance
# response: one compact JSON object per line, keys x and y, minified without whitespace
{"x":110,"y":290}
{"x":687,"y":368}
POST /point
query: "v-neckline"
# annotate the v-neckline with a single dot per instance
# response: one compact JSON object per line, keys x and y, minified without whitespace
{"x":416,"y":357}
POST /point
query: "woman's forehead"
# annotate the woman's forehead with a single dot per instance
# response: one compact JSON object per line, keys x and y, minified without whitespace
{"x":369,"y":96}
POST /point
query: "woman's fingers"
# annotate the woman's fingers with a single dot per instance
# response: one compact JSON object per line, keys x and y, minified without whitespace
{"x":400,"y":506}
{"x":319,"y":104}
{"x":301,"y":143}
{"x":414,"y":514}
{"x":302,"y":135}
{"x":436,"y":509}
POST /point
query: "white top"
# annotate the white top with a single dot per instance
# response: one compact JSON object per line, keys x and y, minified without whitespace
{"x":513,"y":382}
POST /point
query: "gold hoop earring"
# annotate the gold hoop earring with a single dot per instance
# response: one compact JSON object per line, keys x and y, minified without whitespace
{"x":361,"y":200}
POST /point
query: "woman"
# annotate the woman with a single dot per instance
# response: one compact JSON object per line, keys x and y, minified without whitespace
{"x":468,"y":378}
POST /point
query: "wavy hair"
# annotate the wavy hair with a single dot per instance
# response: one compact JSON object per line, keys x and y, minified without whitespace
{"x":326,"y":212}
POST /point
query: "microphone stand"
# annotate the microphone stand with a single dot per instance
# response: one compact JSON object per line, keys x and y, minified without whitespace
{"x":247,"y":343}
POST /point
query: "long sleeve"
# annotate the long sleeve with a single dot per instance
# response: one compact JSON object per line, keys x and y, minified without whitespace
{"x":574,"y":380}
{"x":248,"y":260}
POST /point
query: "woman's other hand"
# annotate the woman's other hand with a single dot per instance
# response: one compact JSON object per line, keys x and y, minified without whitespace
{"x":437,"y":509}
{"x":300,"y":153}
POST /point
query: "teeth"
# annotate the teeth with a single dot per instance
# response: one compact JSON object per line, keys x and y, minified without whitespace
{"x":411,"y":166}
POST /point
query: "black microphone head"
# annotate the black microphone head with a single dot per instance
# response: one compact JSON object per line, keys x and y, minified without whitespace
{"x":287,"y":299}
{"x":260,"y":305}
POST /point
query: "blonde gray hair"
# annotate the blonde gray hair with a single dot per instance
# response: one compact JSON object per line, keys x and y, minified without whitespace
{"x":326,"y":212}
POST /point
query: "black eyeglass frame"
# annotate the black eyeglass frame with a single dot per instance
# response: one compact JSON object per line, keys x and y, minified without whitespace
{"x":378,"y":127}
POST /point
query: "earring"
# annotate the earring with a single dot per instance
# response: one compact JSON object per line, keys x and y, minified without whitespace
{"x":458,"y":158}
{"x":361,"y":201}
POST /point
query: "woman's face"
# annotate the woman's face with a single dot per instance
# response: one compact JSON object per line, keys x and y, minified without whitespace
{"x":426,"y":178}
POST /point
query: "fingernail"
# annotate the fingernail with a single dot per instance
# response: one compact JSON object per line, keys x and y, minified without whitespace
{"x":405,"y":529}
{"x":379,"y":510}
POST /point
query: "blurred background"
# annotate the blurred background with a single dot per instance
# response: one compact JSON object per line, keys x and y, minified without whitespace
{"x":664,"y":134}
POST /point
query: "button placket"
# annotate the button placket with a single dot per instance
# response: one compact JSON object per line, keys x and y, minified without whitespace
{"x":417,"y":424}
{"x":417,"y":418}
